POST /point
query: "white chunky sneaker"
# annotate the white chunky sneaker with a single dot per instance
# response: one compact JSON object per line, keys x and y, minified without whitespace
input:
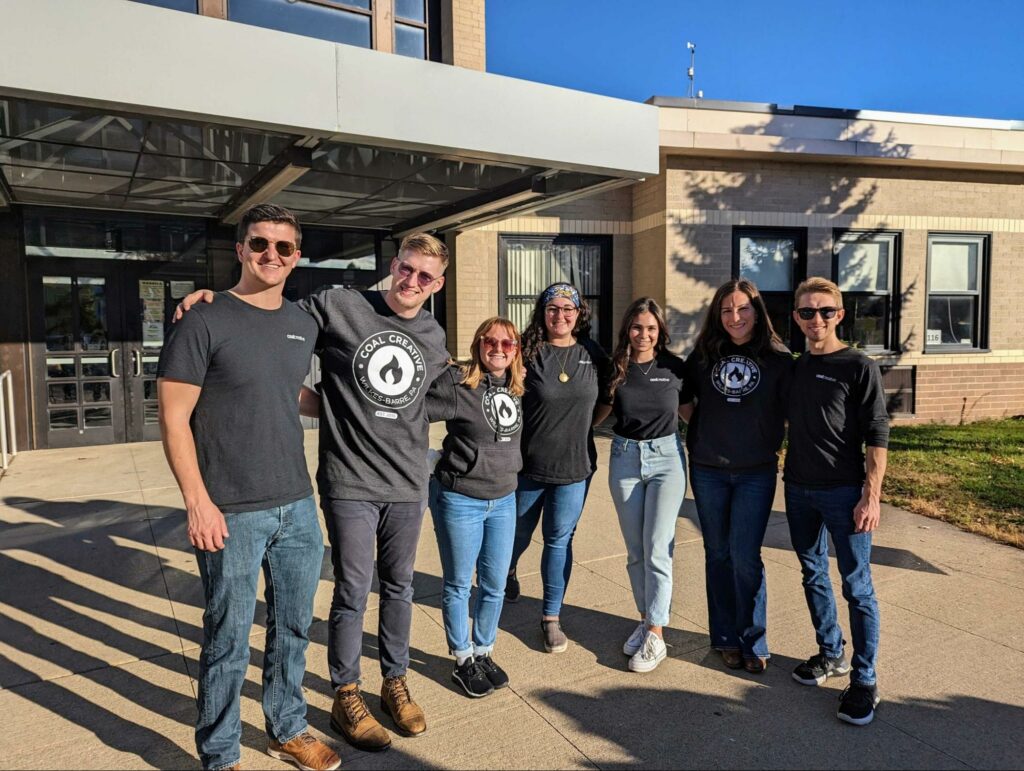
{"x":635,"y":640}
{"x":651,"y":652}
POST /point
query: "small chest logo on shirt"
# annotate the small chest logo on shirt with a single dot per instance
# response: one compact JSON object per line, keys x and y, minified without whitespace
{"x":661,"y":380}
{"x":300,"y":338}
{"x":389,"y":369}
{"x":735,"y":376}
{"x":819,"y":376}
{"x":503,"y":411}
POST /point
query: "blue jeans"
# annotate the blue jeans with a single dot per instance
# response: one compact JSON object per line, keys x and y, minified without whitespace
{"x":647,"y":480}
{"x":733,"y":509}
{"x":472,"y":534}
{"x":286,"y":543}
{"x":561,"y":506}
{"x":813,"y":515}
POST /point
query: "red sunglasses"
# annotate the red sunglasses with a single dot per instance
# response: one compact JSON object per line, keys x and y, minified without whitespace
{"x":507,"y":345}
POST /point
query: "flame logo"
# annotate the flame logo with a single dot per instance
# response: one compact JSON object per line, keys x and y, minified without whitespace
{"x":504,"y":411}
{"x":735,"y":375}
{"x":391,"y":372}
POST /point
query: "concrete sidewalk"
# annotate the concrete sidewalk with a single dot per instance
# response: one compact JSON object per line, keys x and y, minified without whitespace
{"x":101,"y":619}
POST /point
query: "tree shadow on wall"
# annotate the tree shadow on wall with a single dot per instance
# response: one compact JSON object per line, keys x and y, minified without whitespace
{"x":719,"y":194}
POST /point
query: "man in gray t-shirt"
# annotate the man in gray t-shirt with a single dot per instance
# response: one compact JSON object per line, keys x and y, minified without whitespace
{"x":380,"y":351}
{"x":230,"y":392}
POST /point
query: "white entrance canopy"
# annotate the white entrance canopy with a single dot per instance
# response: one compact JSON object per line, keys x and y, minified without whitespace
{"x":142,"y":108}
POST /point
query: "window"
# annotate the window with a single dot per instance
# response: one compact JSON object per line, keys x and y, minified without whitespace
{"x":527,"y":265}
{"x":189,"y":6}
{"x":411,"y":28}
{"x":346,"y":21}
{"x":957,"y":272}
{"x":774,"y":259}
{"x":865,"y":265}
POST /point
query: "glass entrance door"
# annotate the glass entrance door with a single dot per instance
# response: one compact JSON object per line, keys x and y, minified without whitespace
{"x":78,"y":353}
{"x":97,"y":332}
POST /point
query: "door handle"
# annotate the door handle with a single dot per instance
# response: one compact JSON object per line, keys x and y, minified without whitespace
{"x":137,"y":363}
{"x":113,"y":362}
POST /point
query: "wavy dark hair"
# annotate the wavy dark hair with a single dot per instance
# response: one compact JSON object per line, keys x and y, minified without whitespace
{"x":713,"y":336}
{"x":536,"y":332}
{"x":620,"y":358}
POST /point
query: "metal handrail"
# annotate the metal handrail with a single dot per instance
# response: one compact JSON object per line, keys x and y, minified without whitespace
{"x":7,"y":408}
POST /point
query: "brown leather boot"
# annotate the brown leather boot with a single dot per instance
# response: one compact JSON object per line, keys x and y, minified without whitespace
{"x":306,"y":752}
{"x":351,"y":719}
{"x":396,"y":701}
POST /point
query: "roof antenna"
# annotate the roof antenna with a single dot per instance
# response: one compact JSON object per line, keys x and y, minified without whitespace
{"x":689,"y":72}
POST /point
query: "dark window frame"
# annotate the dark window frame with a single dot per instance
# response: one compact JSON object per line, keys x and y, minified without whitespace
{"x":894,"y":293}
{"x":604,"y":297}
{"x":792,"y":335}
{"x":981,"y":307}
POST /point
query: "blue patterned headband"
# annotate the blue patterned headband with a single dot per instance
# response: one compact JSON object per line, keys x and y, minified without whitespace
{"x":568,"y":291}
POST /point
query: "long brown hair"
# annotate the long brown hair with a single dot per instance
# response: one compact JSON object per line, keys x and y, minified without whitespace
{"x":474,"y":370}
{"x":620,"y":358}
{"x":536,"y":333}
{"x":713,"y":337}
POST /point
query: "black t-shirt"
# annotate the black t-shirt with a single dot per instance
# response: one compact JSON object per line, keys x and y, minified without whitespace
{"x":646,"y":404}
{"x":250,"y":364}
{"x":377,"y":367}
{"x":836,"y":406}
{"x":558,"y":438}
{"x":480,"y":456}
{"x":739,"y":419}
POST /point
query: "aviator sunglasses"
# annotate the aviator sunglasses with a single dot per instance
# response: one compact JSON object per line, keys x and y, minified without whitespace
{"x":259,"y":244}
{"x":423,"y":279}
{"x":508,"y":345}
{"x":807,"y":314}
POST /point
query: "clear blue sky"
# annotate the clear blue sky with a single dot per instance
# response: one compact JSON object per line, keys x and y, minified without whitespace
{"x":925,"y":56}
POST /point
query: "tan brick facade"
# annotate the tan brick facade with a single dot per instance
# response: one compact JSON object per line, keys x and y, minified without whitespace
{"x":464,"y":33}
{"x":672,"y":239}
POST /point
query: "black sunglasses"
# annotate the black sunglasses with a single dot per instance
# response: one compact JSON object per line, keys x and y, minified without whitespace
{"x":259,"y":244}
{"x":808,"y":313}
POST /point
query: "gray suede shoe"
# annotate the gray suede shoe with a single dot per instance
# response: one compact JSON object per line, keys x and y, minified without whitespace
{"x":555,"y":640}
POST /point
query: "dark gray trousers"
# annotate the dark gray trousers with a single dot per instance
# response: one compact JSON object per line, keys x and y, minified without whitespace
{"x":353,"y":527}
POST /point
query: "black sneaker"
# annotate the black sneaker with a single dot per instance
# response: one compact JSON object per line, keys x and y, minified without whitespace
{"x":819,"y":668}
{"x":857,"y":704}
{"x":472,"y":679}
{"x":512,"y":588}
{"x":495,"y":674}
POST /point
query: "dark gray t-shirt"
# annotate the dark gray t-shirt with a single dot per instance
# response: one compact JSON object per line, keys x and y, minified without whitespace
{"x":250,"y":364}
{"x":376,"y":369}
{"x":647,"y":402}
{"x":480,"y":457}
{"x":558,"y":440}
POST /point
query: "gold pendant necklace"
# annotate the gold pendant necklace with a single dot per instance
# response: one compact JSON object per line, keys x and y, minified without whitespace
{"x":564,"y":376}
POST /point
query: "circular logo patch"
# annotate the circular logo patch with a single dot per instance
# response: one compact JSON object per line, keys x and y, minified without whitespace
{"x":502,"y":410}
{"x":389,"y":370}
{"x":735,"y":376}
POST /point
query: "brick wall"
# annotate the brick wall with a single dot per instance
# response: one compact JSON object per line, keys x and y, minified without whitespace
{"x":464,"y":33}
{"x":973,"y":392}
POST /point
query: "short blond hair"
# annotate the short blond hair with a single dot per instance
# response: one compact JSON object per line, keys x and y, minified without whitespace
{"x":818,"y":284}
{"x":425,"y":244}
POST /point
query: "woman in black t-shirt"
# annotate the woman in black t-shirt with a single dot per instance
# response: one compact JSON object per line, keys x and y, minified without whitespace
{"x":739,"y":373}
{"x":566,"y":389}
{"x":647,"y":471}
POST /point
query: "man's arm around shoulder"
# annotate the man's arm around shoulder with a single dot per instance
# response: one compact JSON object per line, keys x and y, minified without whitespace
{"x":207,"y":528}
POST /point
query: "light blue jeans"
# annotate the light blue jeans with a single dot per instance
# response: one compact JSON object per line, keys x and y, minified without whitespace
{"x":647,"y":480}
{"x":472,"y":534}
{"x":286,"y":543}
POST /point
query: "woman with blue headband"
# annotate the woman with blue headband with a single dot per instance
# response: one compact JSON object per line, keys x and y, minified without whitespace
{"x":567,"y":377}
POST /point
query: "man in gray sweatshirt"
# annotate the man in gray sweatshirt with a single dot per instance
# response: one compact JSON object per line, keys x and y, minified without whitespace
{"x":380,"y":352}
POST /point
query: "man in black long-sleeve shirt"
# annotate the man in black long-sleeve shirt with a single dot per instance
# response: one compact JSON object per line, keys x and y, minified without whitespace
{"x":833,"y":487}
